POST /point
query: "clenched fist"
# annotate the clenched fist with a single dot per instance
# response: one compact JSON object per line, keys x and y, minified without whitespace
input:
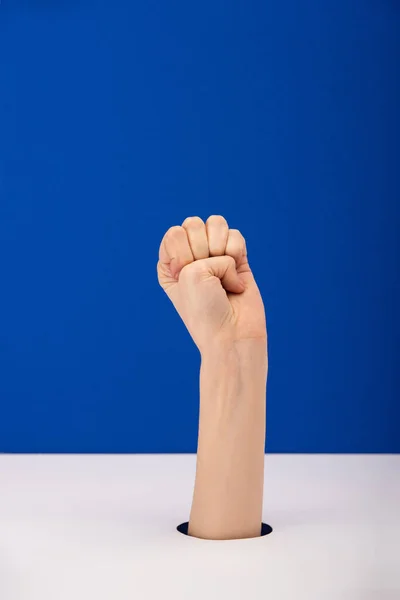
{"x":203,"y":268}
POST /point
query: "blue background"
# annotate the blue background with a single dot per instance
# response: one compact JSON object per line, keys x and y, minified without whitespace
{"x":119,"y":119}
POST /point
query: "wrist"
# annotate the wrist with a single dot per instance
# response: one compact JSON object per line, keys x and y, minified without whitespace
{"x":233,"y":375}
{"x":242,"y":350}
{"x":246,"y":358}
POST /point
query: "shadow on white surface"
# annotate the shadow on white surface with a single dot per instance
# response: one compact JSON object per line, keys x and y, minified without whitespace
{"x":265,"y":529}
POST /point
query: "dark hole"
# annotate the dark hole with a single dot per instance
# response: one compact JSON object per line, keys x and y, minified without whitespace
{"x":265,"y":529}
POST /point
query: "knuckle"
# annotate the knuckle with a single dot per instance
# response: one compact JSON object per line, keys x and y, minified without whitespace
{"x":217,"y":220}
{"x":175,"y":231}
{"x":195,"y":222}
{"x":194,"y":269}
{"x":188,"y":272}
{"x":238,"y":235}
{"x":238,"y":240}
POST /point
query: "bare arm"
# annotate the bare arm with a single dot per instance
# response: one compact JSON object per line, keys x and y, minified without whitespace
{"x":204,"y":270}
{"x":228,"y":494}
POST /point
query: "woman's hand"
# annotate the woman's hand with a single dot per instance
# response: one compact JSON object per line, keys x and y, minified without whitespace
{"x":203,"y":268}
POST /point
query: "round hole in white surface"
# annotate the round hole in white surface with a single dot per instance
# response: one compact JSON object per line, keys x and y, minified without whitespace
{"x":265,"y":529}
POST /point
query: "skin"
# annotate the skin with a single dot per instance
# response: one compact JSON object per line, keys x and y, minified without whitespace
{"x":204,"y":270}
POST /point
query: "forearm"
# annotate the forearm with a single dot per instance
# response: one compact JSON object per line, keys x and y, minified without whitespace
{"x":228,"y":493}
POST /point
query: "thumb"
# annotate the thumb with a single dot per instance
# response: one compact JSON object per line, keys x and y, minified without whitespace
{"x":223,"y":267}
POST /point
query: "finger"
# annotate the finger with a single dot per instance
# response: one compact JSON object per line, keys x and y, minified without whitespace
{"x":197,"y":236}
{"x":236,"y":247}
{"x":175,"y":250}
{"x":224,"y":268}
{"x":217,"y":234}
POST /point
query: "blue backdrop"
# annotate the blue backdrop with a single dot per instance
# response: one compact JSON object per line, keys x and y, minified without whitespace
{"x":119,"y":119}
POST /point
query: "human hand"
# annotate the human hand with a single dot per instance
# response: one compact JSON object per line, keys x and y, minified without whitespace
{"x":203,"y":268}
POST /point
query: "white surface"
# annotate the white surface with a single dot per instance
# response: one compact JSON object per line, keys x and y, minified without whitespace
{"x":100,"y":527}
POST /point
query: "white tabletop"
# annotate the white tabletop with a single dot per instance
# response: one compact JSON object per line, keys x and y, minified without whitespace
{"x":99,"y":527}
